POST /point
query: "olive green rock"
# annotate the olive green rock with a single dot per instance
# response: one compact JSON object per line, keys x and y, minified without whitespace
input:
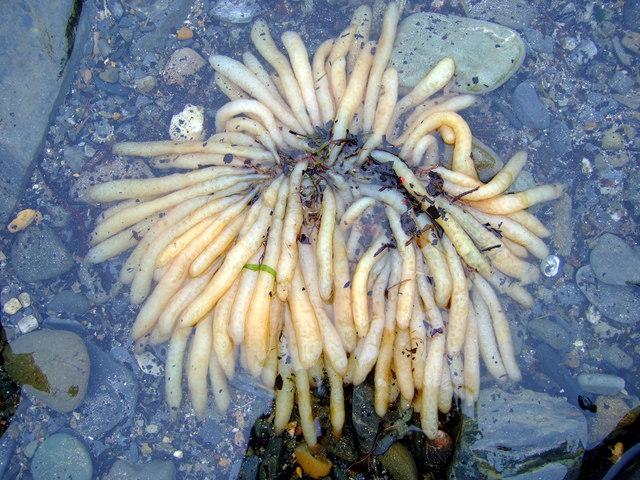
{"x":486,"y":54}
{"x":51,"y":365}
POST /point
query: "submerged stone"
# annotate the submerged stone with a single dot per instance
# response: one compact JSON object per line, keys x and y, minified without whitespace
{"x":616,"y":302}
{"x":486,"y":54}
{"x":62,"y":456}
{"x":492,"y":445}
{"x":51,"y":365}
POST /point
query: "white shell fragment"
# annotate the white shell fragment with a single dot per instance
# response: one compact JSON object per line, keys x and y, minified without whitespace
{"x":149,"y":364}
{"x":188,"y":125}
{"x":550,"y":266}
{"x":27,"y":324}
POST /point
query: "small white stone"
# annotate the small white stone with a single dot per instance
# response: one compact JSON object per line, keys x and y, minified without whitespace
{"x":153,"y":428}
{"x":12,"y":306}
{"x":587,"y":169}
{"x":25,"y":299}
{"x":28,"y":323}
{"x":178,"y":454}
{"x":188,"y":125}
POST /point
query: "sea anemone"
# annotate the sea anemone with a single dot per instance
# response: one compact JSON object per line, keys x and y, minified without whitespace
{"x":317,"y":233}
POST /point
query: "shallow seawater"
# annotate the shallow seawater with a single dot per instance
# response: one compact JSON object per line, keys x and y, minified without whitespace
{"x":572,"y":106}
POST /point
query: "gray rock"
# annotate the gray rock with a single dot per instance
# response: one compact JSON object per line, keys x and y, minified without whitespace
{"x":51,"y":365}
{"x":600,"y":383}
{"x":494,"y":445}
{"x":615,"y":302}
{"x":548,"y":331}
{"x":68,"y":301}
{"x":616,"y":357}
{"x":39,"y":254}
{"x":233,"y":11}
{"x":111,"y":396}
{"x":35,"y":41}
{"x":614,"y":261}
{"x":486,"y":54}
{"x":62,"y":456}
{"x":528,"y":107}
{"x":166,"y":17}
{"x":514,"y":13}
{"x":560,"y":137}
{"x":154,"y":470}
{"x":365,"y":420}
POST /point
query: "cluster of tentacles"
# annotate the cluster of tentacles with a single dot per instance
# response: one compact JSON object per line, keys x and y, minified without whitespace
{"x":317,"y":235}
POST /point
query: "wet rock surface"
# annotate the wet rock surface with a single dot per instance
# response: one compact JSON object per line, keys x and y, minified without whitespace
{"x":36,"y":41}
{"x":62,"y":456}
{"x":52,"y":365}
{"x":493,"y":445}
{"x":615,"y":262}
{"x":39,"y":254}
{"x":111,"y":395}
{"x":154,"y":470}
{"x":486,"y":54}
{"x":619,"y":303}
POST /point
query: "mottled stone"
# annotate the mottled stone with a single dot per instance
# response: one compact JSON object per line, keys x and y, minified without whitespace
{"x":51,"y":365}
{"x":62,"y":456}
{"x":36,"y":39}
{"x":486,"y":54}
{"x":39,"y":254}
{"x":493,"y":445}
{"x":154,"y":470}
{"x":614,"y":261}
{"x":616,"y":302}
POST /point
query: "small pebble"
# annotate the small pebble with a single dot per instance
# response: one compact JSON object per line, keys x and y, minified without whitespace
{"x":616,"y":357}
{"x":528,"y":107}
{"x":600,"y":383}
{"x":185,"y":33}
{"x":25,"y":299}
{"x":12,"y":306}
{"x":28,"y":323}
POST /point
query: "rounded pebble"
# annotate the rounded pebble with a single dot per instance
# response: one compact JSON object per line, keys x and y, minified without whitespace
{"x":549,"y":332}
{"x":616,"y":357}
{"x":51,"y":365}
{"x":528,"y":107}
{"x":183,"y":63}
{"x":63,"y":457}
{"x":600,"y":383}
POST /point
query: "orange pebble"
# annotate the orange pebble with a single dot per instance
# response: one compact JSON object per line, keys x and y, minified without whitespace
{"x":185,"y":33}
{"x":23,"y":219}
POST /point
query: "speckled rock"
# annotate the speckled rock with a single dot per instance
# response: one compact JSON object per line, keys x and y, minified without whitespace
{"x":62,"y":456}
{"x":111,"y":398}
{"x":486,"y":54}
{"x":493,"y":445}
{"x":528,"y":107}
{"x":51,"y":365}
{"x":154,"y":470}
{"x":614,"y":261}
{"x":39,"y":254}
{"x":616,"y":302}
{"x":183,"y":63}
{"x":235,"y":11}
{"x":43,"y":33}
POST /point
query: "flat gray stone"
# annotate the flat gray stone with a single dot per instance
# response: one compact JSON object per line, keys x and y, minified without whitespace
{"x":517,"y":434}
{"x":616,"y":302}
{"x":486,"y":54}
{"x":36,"y":39}
{"x":39,"y":254}
{"x":154,"y":470}
{"x":614,"y":261}
{"x":51,"y":365}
